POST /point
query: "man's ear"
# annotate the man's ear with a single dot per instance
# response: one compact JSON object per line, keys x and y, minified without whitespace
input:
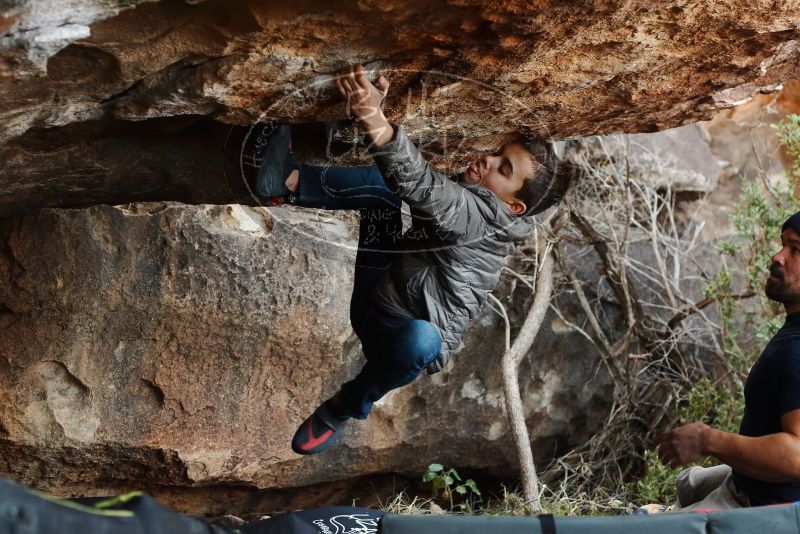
{"x":517,"y":207}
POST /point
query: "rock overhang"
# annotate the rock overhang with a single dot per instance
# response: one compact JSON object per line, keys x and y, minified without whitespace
{"x":464,"y":74}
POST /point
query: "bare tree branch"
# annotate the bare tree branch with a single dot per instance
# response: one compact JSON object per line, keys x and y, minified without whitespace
{"x":510,"y":365}
{"x":699,"y":305}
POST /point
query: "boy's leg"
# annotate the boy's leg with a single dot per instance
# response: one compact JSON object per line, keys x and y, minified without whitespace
{"x":327,"y":143}
{"x":266,"y":156}
{"x":245,"y":149}
{"x":348,"y":188}
{"x":379,"y":228}
{"x":380,"y":220}
{"x":397,"y":351}
{"x":239,"y":173}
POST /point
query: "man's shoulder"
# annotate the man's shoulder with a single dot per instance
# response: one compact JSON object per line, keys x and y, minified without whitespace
{"x":786,"y":342}
{"x":783,"y":354}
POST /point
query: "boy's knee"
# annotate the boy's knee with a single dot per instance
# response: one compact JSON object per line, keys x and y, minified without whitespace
{"x":425,"y":343}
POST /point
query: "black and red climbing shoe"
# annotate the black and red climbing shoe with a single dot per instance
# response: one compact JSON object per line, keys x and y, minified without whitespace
{"x":318,"y":432}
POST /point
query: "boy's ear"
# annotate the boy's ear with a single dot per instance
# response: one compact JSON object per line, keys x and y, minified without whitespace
{"x":517,"y":207}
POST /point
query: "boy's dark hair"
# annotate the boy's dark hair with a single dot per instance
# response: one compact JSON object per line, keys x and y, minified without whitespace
{"x":551,"y":178}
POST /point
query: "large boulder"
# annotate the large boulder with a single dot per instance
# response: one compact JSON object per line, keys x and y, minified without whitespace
{"x":175,"y":347}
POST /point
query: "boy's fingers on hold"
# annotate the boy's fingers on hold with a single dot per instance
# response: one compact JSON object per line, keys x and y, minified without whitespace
{"x":345,"y":76}
{"x":351,"y":77}
{"x":344,"y":79}
{"x":352,"y":89}
{"x":345,"y":94}
{"x":383,"y":85}
{"x":352,"y":84}
{"x":340,"y":86}
{"x":360,"y":77}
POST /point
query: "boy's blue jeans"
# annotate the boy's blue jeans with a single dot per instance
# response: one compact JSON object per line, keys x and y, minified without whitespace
{"x":397,"y":349}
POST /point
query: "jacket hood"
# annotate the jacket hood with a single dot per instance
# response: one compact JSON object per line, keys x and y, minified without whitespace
{"x":506,"y":225}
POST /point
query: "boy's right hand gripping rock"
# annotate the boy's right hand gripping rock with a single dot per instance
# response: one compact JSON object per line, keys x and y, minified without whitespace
{"x":365,"y":101}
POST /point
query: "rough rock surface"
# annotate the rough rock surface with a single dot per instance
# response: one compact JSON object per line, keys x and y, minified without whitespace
{"x":561,"y":68}
{"x":744,"y":144}
{"x":33,"y":31}
{"x":180,"y":350}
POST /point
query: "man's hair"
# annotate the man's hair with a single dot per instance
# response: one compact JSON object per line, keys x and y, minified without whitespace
{"x":551,"y":178}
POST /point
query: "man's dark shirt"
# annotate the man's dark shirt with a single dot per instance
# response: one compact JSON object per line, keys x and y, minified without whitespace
{"x":771,"y":390}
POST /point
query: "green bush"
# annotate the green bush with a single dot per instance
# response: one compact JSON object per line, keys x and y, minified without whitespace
{"x":789,"y":132}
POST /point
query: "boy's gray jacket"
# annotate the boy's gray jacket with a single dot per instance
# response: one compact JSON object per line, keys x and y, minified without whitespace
{"x":460,"y":238}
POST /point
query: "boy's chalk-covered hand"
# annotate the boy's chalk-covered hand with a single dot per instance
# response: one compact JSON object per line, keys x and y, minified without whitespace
{"x":364,"y":102}
{"x":383,"y":86}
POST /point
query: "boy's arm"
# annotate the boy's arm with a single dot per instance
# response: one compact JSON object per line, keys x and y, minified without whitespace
{"x":455,"y":211}
{"x":450,"y":207}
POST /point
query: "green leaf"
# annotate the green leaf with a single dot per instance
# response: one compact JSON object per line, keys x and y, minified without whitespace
{"x":448,"y":480}
{"x":428,"y":476}
{"x":461,"y":490}
{"x":471,"y":485}
{"x":728,"y":248}
{"x":455,"y":474}
{"x":435,"y":467}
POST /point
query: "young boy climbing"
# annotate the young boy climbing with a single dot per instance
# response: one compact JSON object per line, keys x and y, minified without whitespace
{"x":414,"y":293}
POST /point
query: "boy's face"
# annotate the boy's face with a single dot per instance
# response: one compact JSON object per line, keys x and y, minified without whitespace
{"x":503,"y":173}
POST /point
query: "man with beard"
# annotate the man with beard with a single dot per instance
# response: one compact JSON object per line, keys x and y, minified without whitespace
{"x":760,"y":464}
